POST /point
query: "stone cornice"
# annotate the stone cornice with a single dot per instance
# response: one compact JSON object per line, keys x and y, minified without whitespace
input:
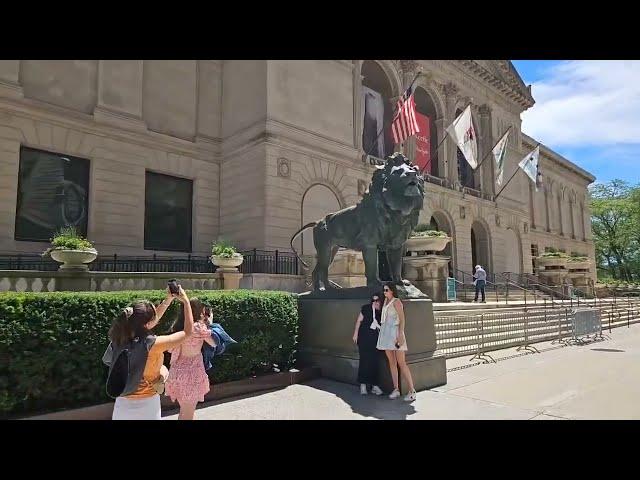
{"x":44,"y":112}
{"x":556,"y":158}
{"x":516,"y":95}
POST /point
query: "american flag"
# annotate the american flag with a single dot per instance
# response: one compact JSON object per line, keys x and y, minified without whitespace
{"x":404,"y":123}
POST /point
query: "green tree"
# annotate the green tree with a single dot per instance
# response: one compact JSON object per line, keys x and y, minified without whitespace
{"x":615,"y":218}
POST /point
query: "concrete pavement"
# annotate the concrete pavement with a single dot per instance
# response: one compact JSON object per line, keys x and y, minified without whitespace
{"x":594,"y":381}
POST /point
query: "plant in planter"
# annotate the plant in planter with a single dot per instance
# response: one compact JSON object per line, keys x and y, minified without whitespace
{"x":424,"y":239}
{"x":71,"y":249}
{"x":225,"y":256}
{"x":552,"y":260}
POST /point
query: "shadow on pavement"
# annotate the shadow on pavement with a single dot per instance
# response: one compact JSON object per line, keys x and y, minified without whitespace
{"x":380,"y":407}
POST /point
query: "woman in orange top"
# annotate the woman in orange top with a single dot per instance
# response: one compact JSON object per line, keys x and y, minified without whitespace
{"x":137,"y":321}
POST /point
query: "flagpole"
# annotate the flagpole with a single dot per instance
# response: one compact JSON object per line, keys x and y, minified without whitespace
{"x":444,"y":137}
{"x":505,"y":185}
{"x":494,"y":146}
{"x":514,"y":174}
{"x":392,"y":117}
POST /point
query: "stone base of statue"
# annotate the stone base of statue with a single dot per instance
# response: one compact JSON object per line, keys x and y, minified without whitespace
{"x":327,"y":321}
{"x":429,"y":273}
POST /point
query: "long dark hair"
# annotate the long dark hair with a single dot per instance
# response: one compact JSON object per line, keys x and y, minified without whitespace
{"x":394,"y":289}
{"x":131,"y":322}
{"x":197,"y":307}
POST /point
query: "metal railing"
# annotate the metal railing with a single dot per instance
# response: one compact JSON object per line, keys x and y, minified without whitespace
{"x":484,"y":332}
{"x":255,"y":261}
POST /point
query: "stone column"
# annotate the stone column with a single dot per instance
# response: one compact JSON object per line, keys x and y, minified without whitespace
{"x":573,"y":227}
{"x":561,"y":230}
{"x":10,"y":79}
{"x":357,"y":101}
{"x":120,"y":84}
{"x":584,"y":236}
{"x":546,"y":205}
{"x":451,"y":97}
{"x":441,"y":152}
{"x":486,"y":136}
{"x":532,"y":213}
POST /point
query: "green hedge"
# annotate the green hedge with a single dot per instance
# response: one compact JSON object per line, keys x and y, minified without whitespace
{"x":51,"y":344}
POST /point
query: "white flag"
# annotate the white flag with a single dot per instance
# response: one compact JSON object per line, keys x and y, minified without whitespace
{"x":499,"y":152}
{"x":530,"y":165}
{"x":463,"y":133}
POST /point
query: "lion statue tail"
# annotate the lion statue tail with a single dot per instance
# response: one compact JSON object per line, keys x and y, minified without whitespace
{"x":302,"y":229}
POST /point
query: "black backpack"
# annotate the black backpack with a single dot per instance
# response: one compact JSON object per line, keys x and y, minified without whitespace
{"x":126,"y":365}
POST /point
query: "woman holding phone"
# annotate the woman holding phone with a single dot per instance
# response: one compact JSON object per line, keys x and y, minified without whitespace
{"x":393,"y":341}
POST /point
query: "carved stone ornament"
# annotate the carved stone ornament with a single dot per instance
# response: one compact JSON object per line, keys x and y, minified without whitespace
{"x":284,"y":169}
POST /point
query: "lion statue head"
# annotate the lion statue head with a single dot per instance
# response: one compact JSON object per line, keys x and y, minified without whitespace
{"x":399,"y":185}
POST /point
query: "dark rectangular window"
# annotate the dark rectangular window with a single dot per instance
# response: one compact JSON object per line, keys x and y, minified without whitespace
{"x":53,"y":192}
{"x":167,"y":213}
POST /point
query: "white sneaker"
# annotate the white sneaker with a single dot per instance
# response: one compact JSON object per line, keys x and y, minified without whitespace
{"x":410,"y":397}
{"x":395,"y":394}
{"x":363,"y":389}
{"x":376,"y":390}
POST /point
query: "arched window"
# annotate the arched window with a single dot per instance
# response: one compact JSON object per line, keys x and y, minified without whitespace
{"x":317,"y":202}
{"x":377,"y":110}
{"x":426,"y":155}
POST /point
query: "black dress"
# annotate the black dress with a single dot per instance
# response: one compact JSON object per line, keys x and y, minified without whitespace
{"x":367,"y":341}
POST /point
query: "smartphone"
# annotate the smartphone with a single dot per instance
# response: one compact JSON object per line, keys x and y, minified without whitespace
{"x":173,"y":286}
{"x":397,"y":345}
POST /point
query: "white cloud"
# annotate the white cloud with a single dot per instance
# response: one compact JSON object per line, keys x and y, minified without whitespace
{"x":586,"y":103}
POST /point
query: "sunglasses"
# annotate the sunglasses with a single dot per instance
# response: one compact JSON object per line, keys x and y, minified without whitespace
{"x":375,"y":299}
{"x":386,"y":290}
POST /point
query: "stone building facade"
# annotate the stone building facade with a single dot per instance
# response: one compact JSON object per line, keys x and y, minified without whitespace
{"x":165,"y":156}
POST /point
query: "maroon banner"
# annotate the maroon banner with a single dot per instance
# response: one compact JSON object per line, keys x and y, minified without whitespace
{"x":423,"y":143}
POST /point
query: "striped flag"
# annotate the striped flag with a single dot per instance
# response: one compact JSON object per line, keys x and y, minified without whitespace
{"x":404,"y":123}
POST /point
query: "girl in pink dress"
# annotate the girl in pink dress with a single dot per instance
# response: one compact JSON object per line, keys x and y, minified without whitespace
{"x":188,"y":382}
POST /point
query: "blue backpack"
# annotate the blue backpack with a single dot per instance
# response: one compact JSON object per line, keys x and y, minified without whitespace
{"x":222,"y":339}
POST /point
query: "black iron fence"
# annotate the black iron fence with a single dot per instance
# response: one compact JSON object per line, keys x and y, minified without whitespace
{"x":255,"y":261}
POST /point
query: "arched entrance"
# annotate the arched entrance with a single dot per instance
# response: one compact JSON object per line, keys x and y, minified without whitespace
{"x":480,"y":246}
{"x":317,"y":202}
{"x":512,"y":252}
{"x":377,"y":110}
{"x":426,"y":107}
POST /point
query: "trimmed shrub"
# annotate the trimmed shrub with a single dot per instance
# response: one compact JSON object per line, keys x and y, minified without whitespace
{"x":51,"y":344}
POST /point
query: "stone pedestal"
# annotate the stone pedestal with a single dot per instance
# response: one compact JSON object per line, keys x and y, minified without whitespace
{"x":229,"y":278}
{"x":347,"y":268}
{"x":554,"y":277}
{"x":429,"y":274}
{"x":326,"y":331}
{"x":70,"y":281}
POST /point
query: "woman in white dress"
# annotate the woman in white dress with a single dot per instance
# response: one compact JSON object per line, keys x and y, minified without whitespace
{"x":393,"y":341}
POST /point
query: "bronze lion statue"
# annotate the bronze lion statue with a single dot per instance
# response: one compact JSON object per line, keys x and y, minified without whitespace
{"x":383,"y":220}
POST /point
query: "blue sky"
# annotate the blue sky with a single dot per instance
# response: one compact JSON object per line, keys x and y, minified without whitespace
{"x":588,"y":111}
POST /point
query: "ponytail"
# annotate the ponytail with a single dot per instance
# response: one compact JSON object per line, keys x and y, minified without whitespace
{"x":131,"y":322}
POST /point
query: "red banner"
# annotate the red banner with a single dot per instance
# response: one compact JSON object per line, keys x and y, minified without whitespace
{"x":423,"y":143}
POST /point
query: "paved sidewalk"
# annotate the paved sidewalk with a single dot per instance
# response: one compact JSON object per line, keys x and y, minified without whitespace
{"x":594,"y":381}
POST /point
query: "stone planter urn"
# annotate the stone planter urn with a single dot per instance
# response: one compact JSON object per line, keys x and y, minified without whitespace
{"x":429,"y":244}
{"x":227,"y":264}
{"x":74,"y":260}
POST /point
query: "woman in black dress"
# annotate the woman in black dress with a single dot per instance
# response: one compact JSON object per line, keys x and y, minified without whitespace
{"x":365,"y":336}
